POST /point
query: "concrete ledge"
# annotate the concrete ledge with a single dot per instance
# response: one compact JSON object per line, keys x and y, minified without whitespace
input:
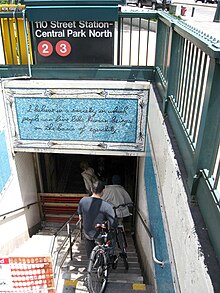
{"x":186,"y":257}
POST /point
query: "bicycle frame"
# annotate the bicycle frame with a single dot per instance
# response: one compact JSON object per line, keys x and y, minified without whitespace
{"x":99,"y":261}
{"x":103,"y":256}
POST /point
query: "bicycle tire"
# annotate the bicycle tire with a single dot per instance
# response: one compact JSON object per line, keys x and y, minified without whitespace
{"x":125,"y":260}
{"x":97,"y":271}
{"x":121,"y":239}
{"x":122,"y":244}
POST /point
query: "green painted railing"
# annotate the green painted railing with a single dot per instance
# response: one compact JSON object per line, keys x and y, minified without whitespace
{"x":187,"y":77}
{"x":184,"y":65}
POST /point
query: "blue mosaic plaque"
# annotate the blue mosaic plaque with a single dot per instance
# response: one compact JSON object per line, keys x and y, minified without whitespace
{"x":5,"y":170}
{"x":67,"y":119}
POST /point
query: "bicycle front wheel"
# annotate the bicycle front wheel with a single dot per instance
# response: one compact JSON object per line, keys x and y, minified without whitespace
{"x":97,"y":271}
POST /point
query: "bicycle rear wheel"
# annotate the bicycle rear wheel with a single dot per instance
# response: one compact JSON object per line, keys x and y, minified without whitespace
{"x":97,"y":271}
{"x":125,"y":259}
{"x":122,"y":243}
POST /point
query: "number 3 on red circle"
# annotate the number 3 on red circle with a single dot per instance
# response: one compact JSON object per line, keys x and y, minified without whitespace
{"x":63,"y":48}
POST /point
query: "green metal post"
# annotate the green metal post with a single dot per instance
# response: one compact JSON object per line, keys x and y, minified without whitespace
{"x":208,"y":138}
{"x":217,"y":13}
{"x":119,"y":41}
{"x":173,"y":69}
{"x":169,"y":49}
{"x":161,"y":57}
{"x":206,"y":154}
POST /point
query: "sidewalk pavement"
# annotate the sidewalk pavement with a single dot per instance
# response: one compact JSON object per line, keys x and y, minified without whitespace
{"x":204,"y":24}
{"x":209,"y":27}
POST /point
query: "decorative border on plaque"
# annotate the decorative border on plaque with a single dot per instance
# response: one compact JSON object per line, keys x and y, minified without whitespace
{"x":91,"y":119}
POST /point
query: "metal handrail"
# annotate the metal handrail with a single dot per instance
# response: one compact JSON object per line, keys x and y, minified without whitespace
{"x":66,"y":224}
{"x":21,"y":208}
{"x":55,"y":255}
{"x":161,"y":263}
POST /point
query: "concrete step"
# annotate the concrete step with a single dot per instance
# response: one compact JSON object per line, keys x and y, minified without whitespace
{"x":53,"y":228}
{"x":132,"y":257}
{"x":79,"y":287}
{"x":78,"y":261}
{"x":128,"y":288}
{"x":82,"y":267}
{"x":126,"y":277}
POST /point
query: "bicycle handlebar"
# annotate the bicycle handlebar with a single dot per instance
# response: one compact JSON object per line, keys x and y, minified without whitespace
{"x":130,"y":204}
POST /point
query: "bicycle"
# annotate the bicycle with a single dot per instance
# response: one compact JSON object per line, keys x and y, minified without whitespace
{"x":102,"y":256}
{"x":121,"y":238}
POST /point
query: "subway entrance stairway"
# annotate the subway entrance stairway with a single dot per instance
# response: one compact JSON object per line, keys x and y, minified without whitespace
{"x":70,"y":275}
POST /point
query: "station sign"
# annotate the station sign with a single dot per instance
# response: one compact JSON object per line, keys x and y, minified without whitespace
{"x":73,"y":42}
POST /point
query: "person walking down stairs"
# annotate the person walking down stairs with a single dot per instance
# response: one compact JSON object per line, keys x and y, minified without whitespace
{"x":89,"y":176}
{"x":93,"y":210}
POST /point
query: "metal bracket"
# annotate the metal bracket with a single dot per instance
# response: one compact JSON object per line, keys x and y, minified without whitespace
{"x":195,"y":183}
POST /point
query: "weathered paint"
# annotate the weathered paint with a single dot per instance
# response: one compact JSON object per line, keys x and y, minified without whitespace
{"x":5,"y":169}
{"x":19,"y":190}
{"x":163,"y":274}
{"x":185,"y":256}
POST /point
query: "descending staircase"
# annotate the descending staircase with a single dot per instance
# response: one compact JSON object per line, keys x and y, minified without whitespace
{"x":119,"y":280}
{"x":72,"y":274}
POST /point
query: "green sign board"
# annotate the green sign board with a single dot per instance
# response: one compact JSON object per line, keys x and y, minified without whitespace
{"x":73,"y":42}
